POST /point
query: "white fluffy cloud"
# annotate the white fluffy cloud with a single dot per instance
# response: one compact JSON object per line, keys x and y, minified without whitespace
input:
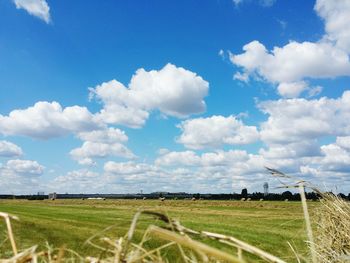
{"x":78,"y":181}
{"x":89,"y":150}
{"x":110,"y":135}
{"x":20,"y":176}
{"x":290,"y":65}
{"x":9,"y":149}
{"x":174,"y":91}
{"x":215,"y":131}
{"x":25,"y":167}
{"x":128,"y":168}
{"x":343,"y":142}
{"x":293,"y":120}
{"x":101,"y":144}
{"x":47,"y":120}
{"x":190,"y":158}
{"x":22,"y":167}
{"x":38,"y":8}
{"x":336,"y":17}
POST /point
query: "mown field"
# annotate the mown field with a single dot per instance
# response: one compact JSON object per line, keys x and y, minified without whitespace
{"x":267,"y":225}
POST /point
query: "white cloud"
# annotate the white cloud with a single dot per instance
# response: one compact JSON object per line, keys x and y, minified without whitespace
{"x":47,"y":120}
{"x":335,"y":158}
{"x":293,"y":120}
{"x":9,"y":149}
{"x":38,"y":8}
{"x":291,"y":90}
{"x":336,"y":17}
{"x":188,"y":158}
{"x":78,"y":181}
{"x":101,"y":144}
{"x":110,"y":135}
{"x":127,"y":168}
{"x":23,"y":167}
{"x":20,"y":176}
{"x":215,"y":131}
{"x":343,"y":142}
{"x":90,"y":150}
{"x":174,"y":91}
{"x":289,"y":66}
{"x":76,"y":176}
{"x":302,"y":148}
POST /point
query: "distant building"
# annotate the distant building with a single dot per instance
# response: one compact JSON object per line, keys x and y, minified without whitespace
{"x":41,"y":193}
{"x":266,"y":189}
{"x":52,"y":196}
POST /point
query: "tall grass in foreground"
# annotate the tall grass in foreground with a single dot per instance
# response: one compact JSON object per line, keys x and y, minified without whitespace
{"x":168,"y":240}
{"x":332,"y":235}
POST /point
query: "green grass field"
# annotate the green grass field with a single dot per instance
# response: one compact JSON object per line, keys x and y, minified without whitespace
{"x":267,"y":225}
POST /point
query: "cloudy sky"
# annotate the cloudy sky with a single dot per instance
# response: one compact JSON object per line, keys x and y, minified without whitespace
{"x":197,"y":96}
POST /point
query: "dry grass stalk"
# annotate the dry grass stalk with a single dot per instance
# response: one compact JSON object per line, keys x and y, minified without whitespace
{"x":332,"y":220}
{"x":7,"y":218}
{"x":307,"y":222}
{"x":195,"y":245}
{"x":232,"y":241}
{"x":332,"y":224}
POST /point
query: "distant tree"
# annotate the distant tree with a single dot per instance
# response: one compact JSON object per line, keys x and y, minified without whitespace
{"x":244,"y":193}
{"x":287,"y":195}
{"x":197,"y":196}
{"x":342,"y":196}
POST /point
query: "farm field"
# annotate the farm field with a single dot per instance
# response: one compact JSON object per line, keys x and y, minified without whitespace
{"x":267,"y":225}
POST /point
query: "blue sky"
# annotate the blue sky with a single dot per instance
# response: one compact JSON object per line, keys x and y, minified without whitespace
{"x":193,"y":96}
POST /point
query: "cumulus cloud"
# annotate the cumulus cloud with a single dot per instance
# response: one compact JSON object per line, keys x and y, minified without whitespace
{"x":174,"y":91}
{"x":24,"y":167}
{"x":190,"y":158}
{"x":343,"y":142}
{"x":149,"y":177}
{"x":47,"y":120}
{"x":289,"y":66}
{"x":128,"y":168}
{"x":78,"y":181}
{"x":110,"y":135}
{"x":215,"y":131}
{"x":101,"y":144}
{"x":293,"y":120}
{"x":38,"y":8}
{"x":302,"y":148}
{"x":20,"y":176}
{"x":9,"y":149}
{"x":336,"y":17}
{"x":335,"y":158}
{"x":89,"y":150}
